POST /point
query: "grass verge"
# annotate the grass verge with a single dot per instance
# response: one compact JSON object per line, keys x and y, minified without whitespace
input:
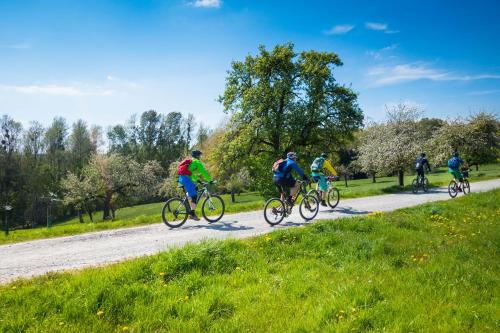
{"x":150,"y":213}
{"x":430,"y":268}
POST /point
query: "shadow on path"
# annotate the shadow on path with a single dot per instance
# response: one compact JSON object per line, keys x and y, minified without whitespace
{"x":221,"y":226}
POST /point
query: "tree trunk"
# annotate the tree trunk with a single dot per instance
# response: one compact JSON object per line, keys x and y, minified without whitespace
{"x":374,"y":180}
{"x":345,"y":180}
{"x":401,"y":178}
{"x":477,"y":167}
{"x":90,"y":215}
{"x":233,"y":199}
{"x":107,"y":206}
{"x":113,"y":211}
{"x":80,"y":215}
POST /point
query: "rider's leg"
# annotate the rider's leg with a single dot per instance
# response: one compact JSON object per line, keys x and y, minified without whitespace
{"x":190,"y":188}
{"x":323,"y":187}
{"x":294,"y":188}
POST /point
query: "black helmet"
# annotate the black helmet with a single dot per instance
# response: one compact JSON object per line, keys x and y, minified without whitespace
{"x":422,"y":154}
{"x":196,"y":153}
{"x":455,"y":153}
{"x":324,"y":155}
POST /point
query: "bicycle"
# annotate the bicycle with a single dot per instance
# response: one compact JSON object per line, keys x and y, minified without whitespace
{"x":276,"y":209}
{"x":332,"y":194}
{"x":175,"y":211}
{"x":418,"y":182}
{"x":461,"y":186}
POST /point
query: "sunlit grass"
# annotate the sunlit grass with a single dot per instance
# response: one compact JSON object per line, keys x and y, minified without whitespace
{"x":431,"y":268}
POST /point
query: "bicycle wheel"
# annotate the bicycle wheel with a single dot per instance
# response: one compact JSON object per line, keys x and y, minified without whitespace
{"x":213,"y":208}
{"x":174,"y":213}
{"x":453,"y":189}
{"x":466,"y":186}
{"x":333,"y":197}
{"x":414,"y":185}
{"x":309,"y":207}
{"x":314,"y":193}
{"x":425,"y":184}
{"x":274,"y":211}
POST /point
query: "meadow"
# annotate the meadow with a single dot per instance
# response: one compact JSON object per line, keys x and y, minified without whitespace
{"x":151,"y":213}
{"x":424,"y":269}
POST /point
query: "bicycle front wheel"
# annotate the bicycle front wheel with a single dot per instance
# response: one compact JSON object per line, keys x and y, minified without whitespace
{"x":466,"y":186}
{"x":453,"y":189}
{"x":425,"y":184}
{"x":308,"y":207}
{"x":213,"y":208}
{"x":174,"y":213}
{"x":274,"y":211}
{"x":333,"y":197}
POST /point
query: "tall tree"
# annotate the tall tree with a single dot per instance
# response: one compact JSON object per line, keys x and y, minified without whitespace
{"x":280,"y":101}
{"x":80,"y":145}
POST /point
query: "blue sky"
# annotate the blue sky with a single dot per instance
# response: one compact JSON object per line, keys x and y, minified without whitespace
{"x":103,"y":61}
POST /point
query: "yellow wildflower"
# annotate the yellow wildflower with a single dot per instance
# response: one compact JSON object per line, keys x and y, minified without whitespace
{"x":162,"y":273}
{"x":125,"y":328}
{"x":100,"y":313}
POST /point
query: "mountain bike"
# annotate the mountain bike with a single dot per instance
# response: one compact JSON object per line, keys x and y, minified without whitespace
{"x":420,"y":182}
{"x":276,"y":209}
{"x":332,"y":194}
{"x":459,"y":186}
{"x":175,"y":211}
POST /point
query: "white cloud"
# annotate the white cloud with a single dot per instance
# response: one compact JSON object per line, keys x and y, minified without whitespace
{"x":57,"y":90}
{"x":484,"y":92}
{"x":207,"y":3}
{"x":384,"y":27}
{"x":340,"y":29}
{"x":18,"y":46}
{"x":388,"y":75}
{"x":379,"y":54}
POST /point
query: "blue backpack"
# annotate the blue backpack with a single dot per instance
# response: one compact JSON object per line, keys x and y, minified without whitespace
{"x":453,"y":163}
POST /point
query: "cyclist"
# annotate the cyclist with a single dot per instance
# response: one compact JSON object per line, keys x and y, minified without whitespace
{"x":283,"y":178}
{"x":190,"y":171}
{"x":454,"y":166}
{"x":420,"y":163}
{"x":317,"y":167}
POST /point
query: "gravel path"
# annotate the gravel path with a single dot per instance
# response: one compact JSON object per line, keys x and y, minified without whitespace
{"x":97,"y":248}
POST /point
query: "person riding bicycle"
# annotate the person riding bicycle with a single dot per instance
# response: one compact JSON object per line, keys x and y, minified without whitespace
{"x":454,"y":166}
{"x":317,"y":172}
{"x":190,"y":171}
{"x":420,"y":163}
{"x":283,"y":178}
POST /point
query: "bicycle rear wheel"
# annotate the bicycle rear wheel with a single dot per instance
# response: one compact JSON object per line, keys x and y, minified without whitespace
{"x":333,"y":197}
{"x":453,"y":189}
{"x":175,"y":212}
{"x":274,"y":211}
{"x":314,"y":193}
{"x":309,"y":207}
{"x":213,"y":208}
{"x":414,"y":185}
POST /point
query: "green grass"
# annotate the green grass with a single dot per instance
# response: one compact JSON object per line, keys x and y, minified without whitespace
{"x":150,"y":213}
{"x":431,"y":268}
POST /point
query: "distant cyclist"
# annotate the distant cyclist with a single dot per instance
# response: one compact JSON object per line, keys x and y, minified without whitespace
{"x":454,"y":166}
{"x":282,"y":170}
{"x":317,"y":168}
{"x":420,"y":163}
{"x":190,"y":171}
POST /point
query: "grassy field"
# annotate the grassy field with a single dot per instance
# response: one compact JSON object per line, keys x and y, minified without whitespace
{"x":150,"y":213}
{"x":432,"y":268}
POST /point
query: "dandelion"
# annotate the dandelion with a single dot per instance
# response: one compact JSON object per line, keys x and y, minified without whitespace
{"x":14,"y":288}
{"x":100,"y":313}
{"x":61,"y":323}
{"x":162,"y":273}
{"x":267,"y":238}
{"x":125,"y":328}
{"x":186,"y":298}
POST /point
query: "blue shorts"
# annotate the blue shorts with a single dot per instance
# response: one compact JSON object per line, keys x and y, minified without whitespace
{"x":188,"y":184}
{"x":323,"y":185}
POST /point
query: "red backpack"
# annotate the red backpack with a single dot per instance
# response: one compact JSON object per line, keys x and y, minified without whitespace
{"x":278,"y":165}
{"x":182,"y":169}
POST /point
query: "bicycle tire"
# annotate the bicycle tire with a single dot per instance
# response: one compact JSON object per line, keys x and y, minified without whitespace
{"x":211,"y":200}
{"x":277,"y":211}
{"x":172,"y":209}
{"x":315,"y":193}
{"x":311,"y":204}
{"x":466,"y":186}
{"x":333,"y":201}
{"x":425,"y":184}
{"x":452,"y":189}
{"x":414,"y":186}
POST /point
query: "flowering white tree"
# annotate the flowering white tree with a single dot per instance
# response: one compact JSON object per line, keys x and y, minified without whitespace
{"x":392,"y":147}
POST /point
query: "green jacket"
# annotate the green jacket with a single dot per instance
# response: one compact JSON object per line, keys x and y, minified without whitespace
{"x":198,"y":171}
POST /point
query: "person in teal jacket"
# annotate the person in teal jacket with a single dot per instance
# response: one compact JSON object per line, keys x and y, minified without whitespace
{"x":190,"y":176}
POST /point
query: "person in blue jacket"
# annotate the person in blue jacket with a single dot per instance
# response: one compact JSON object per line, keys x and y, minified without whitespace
{"x":283,"y":176}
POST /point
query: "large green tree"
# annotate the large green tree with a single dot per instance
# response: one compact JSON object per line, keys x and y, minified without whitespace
{"x":280,"y":100}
